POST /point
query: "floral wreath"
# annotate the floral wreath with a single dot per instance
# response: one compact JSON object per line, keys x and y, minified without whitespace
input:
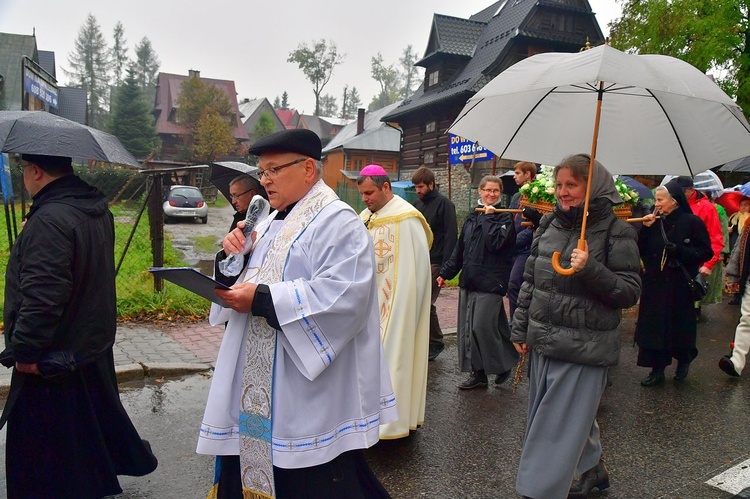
{"x":542,"y":189}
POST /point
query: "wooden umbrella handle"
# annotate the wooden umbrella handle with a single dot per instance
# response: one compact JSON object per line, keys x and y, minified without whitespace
{"x":556,"y":260}
{"x":500,"y":210}
{"x":582,"y":241}
{"x":641,"y":219}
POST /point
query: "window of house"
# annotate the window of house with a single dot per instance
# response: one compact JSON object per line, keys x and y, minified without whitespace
{"x":433,"y":79}
{"x":359,"y":164}
{"x":429,"y":157}
{"x":431,"y":126}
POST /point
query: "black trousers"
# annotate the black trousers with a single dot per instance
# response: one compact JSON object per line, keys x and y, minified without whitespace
{"x":348,"y":475}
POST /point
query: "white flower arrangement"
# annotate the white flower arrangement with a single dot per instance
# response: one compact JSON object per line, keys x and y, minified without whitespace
{"x":542,"y":189}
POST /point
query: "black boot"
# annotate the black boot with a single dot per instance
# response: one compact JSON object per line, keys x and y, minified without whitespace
{"x":476,"y":380}
{"x":683,"y":368}
{"x":655,"y":377}
{"x":595,"y":478}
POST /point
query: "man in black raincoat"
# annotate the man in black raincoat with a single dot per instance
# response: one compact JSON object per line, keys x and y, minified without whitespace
{"x":68,"y":433}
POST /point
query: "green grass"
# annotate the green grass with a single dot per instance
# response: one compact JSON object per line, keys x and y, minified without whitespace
{"x":206,"y":244}
{"x":136,"y":297}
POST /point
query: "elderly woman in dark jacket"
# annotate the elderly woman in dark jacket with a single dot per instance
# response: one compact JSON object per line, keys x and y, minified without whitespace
{"x":664,"y":329}
{"x":568,"y":327}
{"x":485,"y":253}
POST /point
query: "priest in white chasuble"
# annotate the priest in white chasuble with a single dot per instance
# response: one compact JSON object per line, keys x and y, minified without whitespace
{"x":302,"y":385}
{"x":401,"y":240}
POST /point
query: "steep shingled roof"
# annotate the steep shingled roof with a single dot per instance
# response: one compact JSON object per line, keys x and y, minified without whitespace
{"x":490,"y":46}
{"x":453,"y":36}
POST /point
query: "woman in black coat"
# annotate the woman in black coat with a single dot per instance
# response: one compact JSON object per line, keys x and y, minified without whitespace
{"x":483,"y":255}
{"x":664,"y":330}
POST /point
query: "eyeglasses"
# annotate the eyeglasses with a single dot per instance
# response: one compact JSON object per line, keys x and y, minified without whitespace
{"x":237,"y":196}
{"x":492,"y":191}
{"x":273,"y":171}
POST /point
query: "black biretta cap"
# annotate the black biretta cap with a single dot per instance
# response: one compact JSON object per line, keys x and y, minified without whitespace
{"x":299,"y":140}
{"x":684,"y":181}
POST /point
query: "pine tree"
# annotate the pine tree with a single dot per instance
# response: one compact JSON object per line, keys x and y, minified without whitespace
{"x":285,"y":100}
{"x":132,"y":121}
{"x":119,"y":53}
{"x":147,"y":68}
{"x":328,"y":105}
{"x":89,"y":63}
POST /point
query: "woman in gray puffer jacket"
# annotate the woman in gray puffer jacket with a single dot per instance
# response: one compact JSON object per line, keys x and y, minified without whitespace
{"x":568,"y":326}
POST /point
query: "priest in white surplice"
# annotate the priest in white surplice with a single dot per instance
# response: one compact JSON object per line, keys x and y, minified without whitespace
{"x":301,"y":383}
{"x":402,"y":239}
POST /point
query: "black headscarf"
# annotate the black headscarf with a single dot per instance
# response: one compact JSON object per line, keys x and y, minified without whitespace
{"x":674,"y":189}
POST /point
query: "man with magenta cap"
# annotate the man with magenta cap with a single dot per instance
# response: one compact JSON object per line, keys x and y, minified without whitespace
{"x":402,"y":240}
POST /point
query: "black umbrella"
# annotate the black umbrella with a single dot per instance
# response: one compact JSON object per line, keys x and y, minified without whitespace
{"x":741,"y":165}
{"x":39,"y":132}
{"x":223,"y":172}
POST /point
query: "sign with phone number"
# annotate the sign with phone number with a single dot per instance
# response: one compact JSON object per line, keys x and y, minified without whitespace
{"x":463,"y":151}
{"x":37,"y":87}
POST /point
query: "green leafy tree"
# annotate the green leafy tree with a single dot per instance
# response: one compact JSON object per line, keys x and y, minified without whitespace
{"x":410,"y":75}
{"x":147,"y":68}
{"x":712,"y":35}
{"x":264,"y":126}
{"x":277,"y":103}
{"x":317,"y":62}
{"x":387,"y":77}
{"x":328,"y":105}
{"x":213,"y":138}
{"x":201,"y":109}
{"x":132,"y":121}
{"x":119,"y":53}
{"x":89,"y":63}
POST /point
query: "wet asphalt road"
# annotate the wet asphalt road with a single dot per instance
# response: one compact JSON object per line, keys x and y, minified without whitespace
{"x":658,"y":442}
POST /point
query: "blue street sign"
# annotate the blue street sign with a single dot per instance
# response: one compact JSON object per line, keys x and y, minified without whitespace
{"x":462,"y":151}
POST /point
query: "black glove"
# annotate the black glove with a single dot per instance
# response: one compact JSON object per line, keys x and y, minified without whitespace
{"x":531,"y":215}
{"x":673,"y":250}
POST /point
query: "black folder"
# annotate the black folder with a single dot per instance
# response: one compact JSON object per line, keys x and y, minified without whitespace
{"x":192,"y":280}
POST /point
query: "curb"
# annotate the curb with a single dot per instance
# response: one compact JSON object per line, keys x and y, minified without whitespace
{"x":133,"y":372}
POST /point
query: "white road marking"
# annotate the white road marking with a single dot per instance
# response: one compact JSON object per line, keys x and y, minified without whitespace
{"x":734,"y":480}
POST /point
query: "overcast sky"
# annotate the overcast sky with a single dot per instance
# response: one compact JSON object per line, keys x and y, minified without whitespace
{"x":249,"y":41}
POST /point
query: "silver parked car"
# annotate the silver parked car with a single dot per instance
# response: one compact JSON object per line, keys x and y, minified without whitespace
{"x":184,"y":201}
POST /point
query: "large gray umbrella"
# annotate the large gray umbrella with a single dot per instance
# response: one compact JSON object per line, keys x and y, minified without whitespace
{"x":644,"y":114}
{"x":223,"y":172}
{"x":659,"y":114}
{"x":39,"y":132}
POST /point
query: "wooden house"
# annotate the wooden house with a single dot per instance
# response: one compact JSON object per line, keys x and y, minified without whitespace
{"x":463,"y":55}
{"x":171,"y":133}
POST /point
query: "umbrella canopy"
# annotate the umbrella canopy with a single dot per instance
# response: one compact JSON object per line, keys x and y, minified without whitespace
{"x":741,"y":165}
{"x":644,"y":193}
{"x":658,"y":114}
{"x":38,"y":132}
{"x":223,"y":172}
